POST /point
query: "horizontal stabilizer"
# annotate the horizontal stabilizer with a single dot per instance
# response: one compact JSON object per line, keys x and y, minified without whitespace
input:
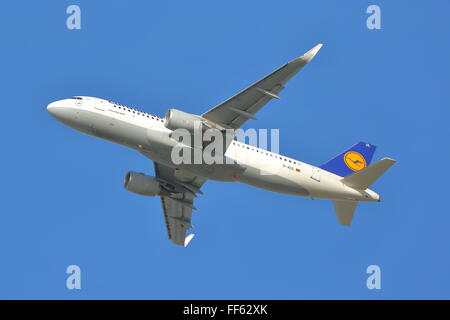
{"x":188,"y":239}
{"x":308,"y":56}
{"x":344,"y":211}
{"x":365,"y":177}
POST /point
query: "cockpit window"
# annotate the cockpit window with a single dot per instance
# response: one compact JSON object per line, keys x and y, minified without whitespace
{"x":77,"y":98}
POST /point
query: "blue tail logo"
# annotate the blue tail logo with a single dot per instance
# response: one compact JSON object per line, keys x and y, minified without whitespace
{"x":351,"y":160}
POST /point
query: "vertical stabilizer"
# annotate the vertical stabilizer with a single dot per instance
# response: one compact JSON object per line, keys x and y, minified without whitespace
{"x":355,"y":158}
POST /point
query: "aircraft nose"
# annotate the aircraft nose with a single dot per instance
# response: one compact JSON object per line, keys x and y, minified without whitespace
{"x":64,"y":111}
{"x":56,"y":109}
{"x":51,"y":108}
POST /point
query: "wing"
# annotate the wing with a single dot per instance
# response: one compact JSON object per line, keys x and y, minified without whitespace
{"x":181,"y":189}
{"x":238,"y":109}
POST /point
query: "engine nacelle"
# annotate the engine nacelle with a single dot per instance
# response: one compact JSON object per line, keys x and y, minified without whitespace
{"x":142,"y":184}
{"x":176,"y":119}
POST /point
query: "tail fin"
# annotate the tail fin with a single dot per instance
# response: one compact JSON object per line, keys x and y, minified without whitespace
{"x":360,"y":180}
{"x":344,"y":211}
{"x":351,"y":160}
{"x":363,"y":179}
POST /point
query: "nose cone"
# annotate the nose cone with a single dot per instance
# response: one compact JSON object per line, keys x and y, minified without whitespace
{"x":52,"y":108}
{"x":61,"y":109}
{"x":68,"y":112}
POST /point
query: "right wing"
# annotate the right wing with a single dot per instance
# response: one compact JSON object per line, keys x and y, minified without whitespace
{"x":178,"y":205}
{"x":235,"y":111}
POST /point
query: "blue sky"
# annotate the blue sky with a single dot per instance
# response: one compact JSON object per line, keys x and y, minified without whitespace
{"x":63,"y":202}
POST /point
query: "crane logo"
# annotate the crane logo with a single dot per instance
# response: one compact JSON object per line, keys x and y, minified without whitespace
{"x":354,"y":160}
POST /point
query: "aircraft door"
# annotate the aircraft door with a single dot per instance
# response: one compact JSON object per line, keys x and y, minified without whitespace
{"x":99,"y":104}
{"x":316,"y":173}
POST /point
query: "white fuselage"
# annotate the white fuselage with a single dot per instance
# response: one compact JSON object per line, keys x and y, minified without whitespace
{"x":256,"y":167}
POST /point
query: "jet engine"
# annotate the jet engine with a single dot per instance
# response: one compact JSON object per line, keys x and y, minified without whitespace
{"x":176,"y":119}
{"x":142,"y":184}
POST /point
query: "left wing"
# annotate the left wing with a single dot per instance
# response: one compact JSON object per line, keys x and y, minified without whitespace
{"x":177,"y":202}
{"x":235,"y":111}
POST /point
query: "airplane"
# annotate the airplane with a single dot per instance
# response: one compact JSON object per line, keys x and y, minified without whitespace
{"x":345,"y":179}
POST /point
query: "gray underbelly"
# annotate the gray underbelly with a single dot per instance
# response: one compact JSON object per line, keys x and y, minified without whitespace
{"x":271,"y":182}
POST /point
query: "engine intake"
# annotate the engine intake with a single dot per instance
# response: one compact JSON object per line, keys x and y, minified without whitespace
{"x":142,"y":184}
{"x":176,"y":119}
